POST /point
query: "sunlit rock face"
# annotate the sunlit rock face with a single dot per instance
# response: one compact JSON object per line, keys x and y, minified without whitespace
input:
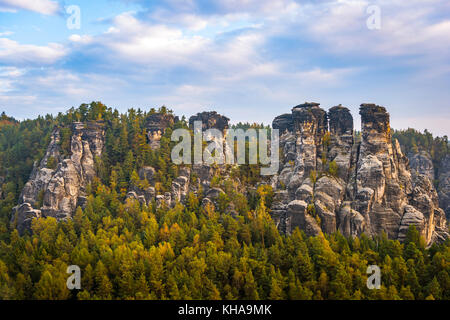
{"x":330,"y":179}
{"x":56,"y":190}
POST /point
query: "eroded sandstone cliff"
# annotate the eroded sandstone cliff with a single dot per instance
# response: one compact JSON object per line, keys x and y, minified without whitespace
{"x":331,"y":181}
{"x":57,"y":184}
{"x":195,"y":179}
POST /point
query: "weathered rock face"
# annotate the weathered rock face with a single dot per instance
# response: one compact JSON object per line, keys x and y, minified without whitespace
{"x":156,"y":125}
{"x":283,"y":123}
{"x":310,"y":125}
{"x":299,"y":217}
{"x":57,"y":192}
{"x":341,"y":139}
{"x":421,"y":163}
{"x":381,"y":192}
{"x":210,"y":120}
{"x":72,"y":175}
{"x":372,"y":191}
{"x":341,"y":121}
{"x":444,"y":185}
{"x":180,"y":186}
{"x":24,"y":215}
{"x":146,"y":195}
{"x":196,"y":179}
{"x":424,"y":198}
{"x":41,"y":174}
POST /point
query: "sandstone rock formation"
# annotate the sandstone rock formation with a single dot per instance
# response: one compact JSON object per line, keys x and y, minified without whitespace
{"x":145,"y":195}
{"x":372,"y":191}
{"x":330,"y":179}
{"x":210,"y":120}
{"x":56,"y":192}
{"x":283,"y":123}
{"x":156,"y":125}
{"x":25,"y":215}
{"x":195,"y":179}
{"x":421,"y":162}
{"x":444,"y":185}
{"x":179,"y":190}
{"x":41,"y":174}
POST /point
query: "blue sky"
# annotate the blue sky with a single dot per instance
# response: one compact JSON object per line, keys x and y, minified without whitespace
{"x":250,"y":60}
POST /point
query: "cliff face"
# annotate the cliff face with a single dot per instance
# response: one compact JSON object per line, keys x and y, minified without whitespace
{"x":156,"y":125}
{"x":421,"y":163}
{"x":195,"y":179}
{"x":210,"y":120}
{"x":330,"y":182}
{"x":329,"y":179}
{"x":444,"y":185}
{"x":56,"y":190}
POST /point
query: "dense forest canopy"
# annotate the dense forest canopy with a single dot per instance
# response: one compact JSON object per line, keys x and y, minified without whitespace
{"x":127,"y":250}
{"x":414,"y":141}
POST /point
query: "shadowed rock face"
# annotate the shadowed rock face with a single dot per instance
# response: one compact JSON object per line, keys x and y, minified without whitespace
{"x":304,"y":144}
{"x":422,"y":163}
{"x":341,"y":120}
{"x":283,"y":123}
{"x":159,"y":121}
{"x":444,"y":185}
{"x":156,"y":125}
{"x":210,"y":120}
{"x":1,"y":183}
{"x":372,"y":191}
{"x":24,"y":216}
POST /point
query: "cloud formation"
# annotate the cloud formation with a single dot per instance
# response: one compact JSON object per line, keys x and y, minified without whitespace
{"x":12,"y":52}
{"x":247,"y":59}
{"x":46,"y":7}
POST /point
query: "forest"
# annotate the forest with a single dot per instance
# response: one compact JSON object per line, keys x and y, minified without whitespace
{"x":127,"y":250}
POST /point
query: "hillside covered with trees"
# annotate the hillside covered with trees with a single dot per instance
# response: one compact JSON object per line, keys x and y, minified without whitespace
{"x":129,"y":250}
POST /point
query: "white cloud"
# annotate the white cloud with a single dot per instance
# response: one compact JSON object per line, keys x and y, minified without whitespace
{"x":81,"y":39}
{"x":11,"y":72}
{"x":46,"y":7}
{"x":138,"y":42}
{"x":14,"y":52}
{"x":229,"y":59}
{"x":6,"y":33}
{"x":407,"y":28}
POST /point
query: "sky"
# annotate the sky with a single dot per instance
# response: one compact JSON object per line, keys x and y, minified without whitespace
{"x":249,"y":60}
